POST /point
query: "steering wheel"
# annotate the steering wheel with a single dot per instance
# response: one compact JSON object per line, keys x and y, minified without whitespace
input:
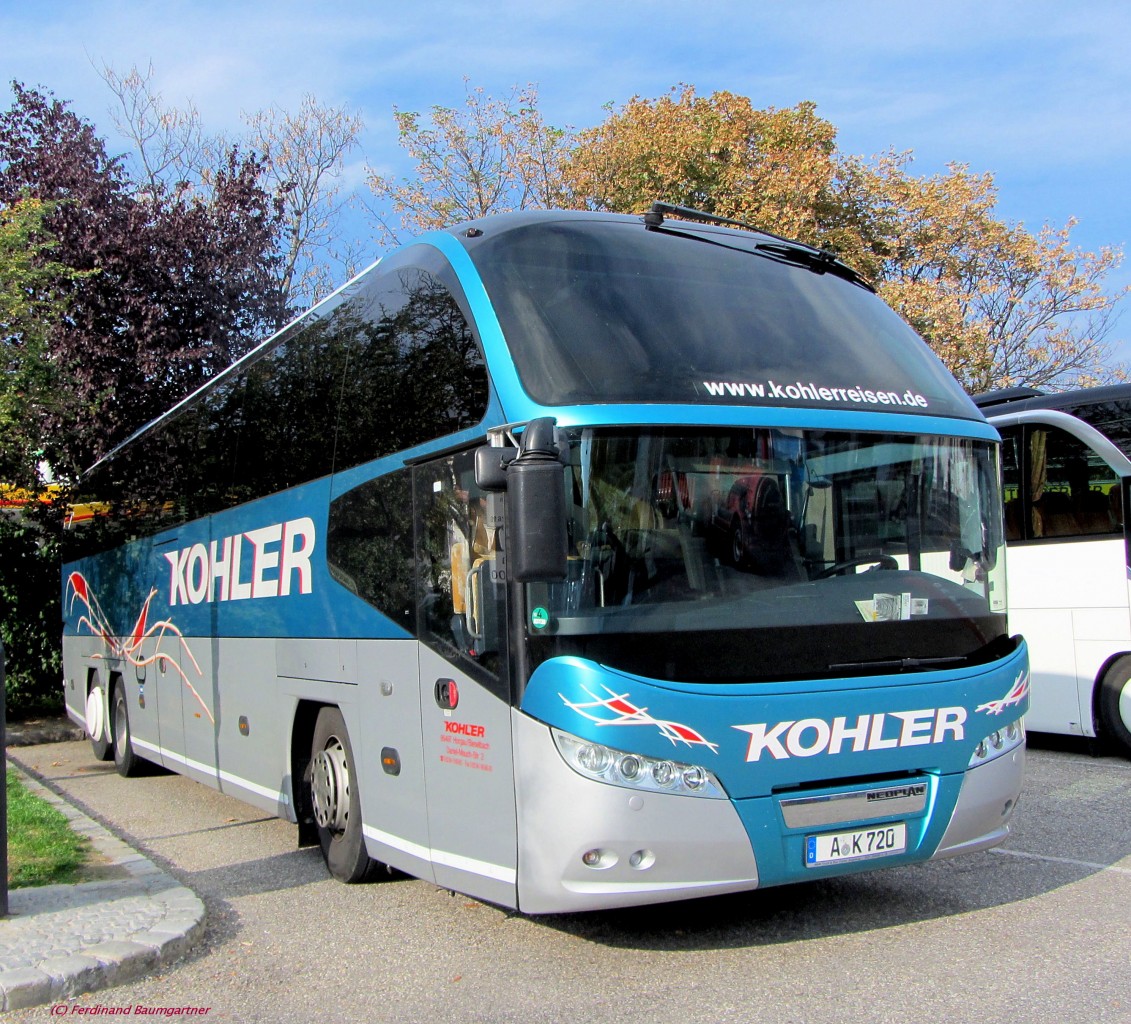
{"x":881,"y":562}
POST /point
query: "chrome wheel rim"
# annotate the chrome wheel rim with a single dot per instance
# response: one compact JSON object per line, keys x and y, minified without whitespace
{"x":330,"y":786}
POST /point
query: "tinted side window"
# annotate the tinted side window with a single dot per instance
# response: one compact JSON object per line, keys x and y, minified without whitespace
{"x":369,"y":545}
{"x":1072,"y":491}
{"x":150,"y":486}
{"x":415,"y":372}
{"x":394,"y":364}
{"x":1112,"y":419}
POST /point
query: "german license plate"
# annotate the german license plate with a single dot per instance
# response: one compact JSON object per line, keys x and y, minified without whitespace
{"x":859,"y":844}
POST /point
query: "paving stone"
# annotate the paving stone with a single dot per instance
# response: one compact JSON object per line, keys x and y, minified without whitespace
{"x":24,"y":987}
{"x":63,"y":940}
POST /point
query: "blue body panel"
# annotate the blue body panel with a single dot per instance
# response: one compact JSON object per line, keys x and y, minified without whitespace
{"x":771,"y":740}
{"x":120,"y":580}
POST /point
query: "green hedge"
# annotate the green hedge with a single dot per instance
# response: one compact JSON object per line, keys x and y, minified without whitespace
{"x":30,"y":613}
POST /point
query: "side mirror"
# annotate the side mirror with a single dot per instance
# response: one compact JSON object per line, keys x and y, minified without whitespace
{"x":536,"y":509}
{"x":491,"y":467}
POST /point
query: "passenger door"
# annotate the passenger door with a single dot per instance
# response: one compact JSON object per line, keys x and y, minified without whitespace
{"x":464,"y":698}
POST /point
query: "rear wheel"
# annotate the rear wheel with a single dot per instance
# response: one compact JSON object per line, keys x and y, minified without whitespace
{"x":98,"y":723}
{"x":1114,"y":702}
{"x":334,"y":797}
{"x":125,"y":760}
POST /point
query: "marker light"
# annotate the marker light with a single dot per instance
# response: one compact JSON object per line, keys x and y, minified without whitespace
{"x":635,"y":771}
{"x":1000,"y":741}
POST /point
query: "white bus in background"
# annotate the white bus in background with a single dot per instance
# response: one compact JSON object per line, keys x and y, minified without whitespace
{"x":1066,"y":468}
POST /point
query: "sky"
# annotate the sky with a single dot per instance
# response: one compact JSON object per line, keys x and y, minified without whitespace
{"x":1038,"y":93}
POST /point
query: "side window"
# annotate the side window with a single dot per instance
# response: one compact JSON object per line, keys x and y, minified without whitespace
{"x":149,"y":486}
{"x":394,"y":364}
{"x":416,"y":372}
{"x":284,"y":412}
{"x":1072,"y":491}
{"x":1011,"y":493}
{"x":369,"y":545}
{"x":460,"y":591}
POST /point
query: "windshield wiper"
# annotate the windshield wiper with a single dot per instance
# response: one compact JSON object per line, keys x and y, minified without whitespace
{"x":820,"y":261}
{"x":901,"y":664}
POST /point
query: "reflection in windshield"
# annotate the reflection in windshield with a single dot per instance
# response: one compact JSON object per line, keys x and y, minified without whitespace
{"x":786,"y":553}
{"x":596,"y":309}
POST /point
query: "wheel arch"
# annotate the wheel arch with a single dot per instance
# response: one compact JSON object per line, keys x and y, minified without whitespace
{"x":1097,"y":688}
{"x":1098,"y":723}
{"x":93,"y":678}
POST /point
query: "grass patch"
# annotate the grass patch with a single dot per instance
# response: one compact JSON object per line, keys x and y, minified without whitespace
{"x":42,"y":849}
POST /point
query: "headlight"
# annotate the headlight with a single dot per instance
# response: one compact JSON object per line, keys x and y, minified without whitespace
{"x":1000,"y":741}
{"x":635,"y":771}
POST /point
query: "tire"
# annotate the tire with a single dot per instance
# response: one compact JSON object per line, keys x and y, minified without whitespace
{"x":98,"y":723}
{"x":737,"y":550}
{"x":337,"y":805}
{"x":1114,"y":706}
{"x":125,"y":760}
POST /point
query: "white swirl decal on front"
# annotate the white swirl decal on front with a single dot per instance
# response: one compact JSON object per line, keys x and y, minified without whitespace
{"x":1017,"y":693}
{"x":624,"y":712}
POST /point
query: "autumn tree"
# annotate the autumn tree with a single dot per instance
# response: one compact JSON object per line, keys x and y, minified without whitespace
{"x":301,"y":156}
{"x":719,"y":154}
{"x":488,"y":156}
{"x":170,"y":145}
{"x":172,"y":286}
{"x":998,"y":303}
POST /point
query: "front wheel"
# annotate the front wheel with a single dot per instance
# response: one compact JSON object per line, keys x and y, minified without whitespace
{"x":1115,"y":705}
{"x":334,"y":797}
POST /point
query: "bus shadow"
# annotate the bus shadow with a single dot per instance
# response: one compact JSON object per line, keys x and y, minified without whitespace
{"x":829,"y":907}
{"x":1069,"y":744}
{"x":274,"y":873}
{"x":1073,"y":822}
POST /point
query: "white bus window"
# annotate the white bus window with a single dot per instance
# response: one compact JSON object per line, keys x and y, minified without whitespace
{"x":1072,"y":491}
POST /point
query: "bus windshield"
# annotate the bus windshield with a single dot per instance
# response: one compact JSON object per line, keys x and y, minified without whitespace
{"x":600,"y":310}
{"x":755,"y":554}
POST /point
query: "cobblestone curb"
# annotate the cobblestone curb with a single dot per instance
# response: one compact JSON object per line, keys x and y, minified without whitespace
{"x":63,"y":940}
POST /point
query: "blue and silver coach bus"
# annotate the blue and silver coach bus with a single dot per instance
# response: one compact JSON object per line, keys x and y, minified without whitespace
{"x":569,"y":561}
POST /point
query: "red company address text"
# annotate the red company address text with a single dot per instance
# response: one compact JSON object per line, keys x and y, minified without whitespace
{"x":463,"y":749}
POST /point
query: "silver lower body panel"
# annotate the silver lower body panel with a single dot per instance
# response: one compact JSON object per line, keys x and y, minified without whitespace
{"x":654,"y":847}
{"x":985,"y":805}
